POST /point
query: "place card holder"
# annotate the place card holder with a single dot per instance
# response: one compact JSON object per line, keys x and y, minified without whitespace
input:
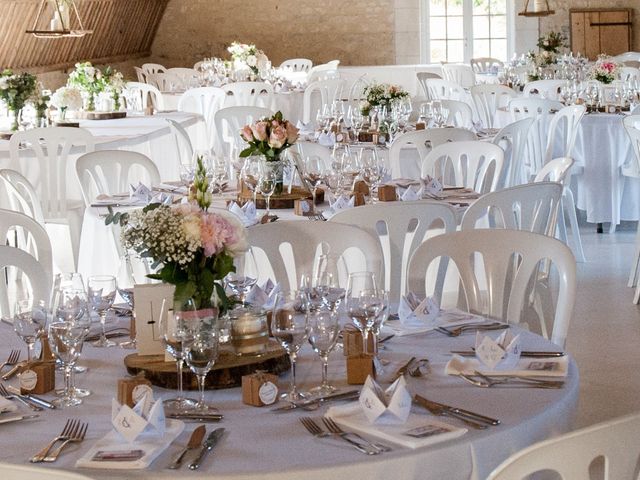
{"x":352,"y":341}
{"x":148,"y":301}
{"x":128,"y":390}
{"x":387,"y":193}
{"x":359,"y":199}
{"x":359,"y":367}
{"x":38,"y":378}
{"x":259,"y":389}
{"x":367,"y":137}
{"x":303,"y":207}
{"x":420,"y":126}
{"x":361,"y":187}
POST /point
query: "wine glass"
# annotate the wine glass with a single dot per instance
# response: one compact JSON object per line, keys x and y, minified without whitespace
{"x":289,"y":325}
{"x":267,"y":183}
{"x":356,"y":119}
{"x":327,"y":280}
{"x":371,"y":171}
{"x":363,"y":303}
{"x":313,"y":169}
{"x":178,"y":330}
{"x":219,"y":172}
{"x":323,"y":335}
{"x":102,"y":293}
{"x":200,"y":354}
{"x":245,"y":276}
{"x":29,"y":322}
{"x":250,"y":173}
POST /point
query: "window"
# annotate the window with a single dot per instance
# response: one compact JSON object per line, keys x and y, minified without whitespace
{"x":458,"y":30}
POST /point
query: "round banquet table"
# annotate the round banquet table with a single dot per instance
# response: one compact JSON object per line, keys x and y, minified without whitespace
{"x":266,"y":445}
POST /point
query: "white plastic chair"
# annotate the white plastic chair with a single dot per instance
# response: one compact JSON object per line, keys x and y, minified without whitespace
{"x":27,"y":472}
{"x":486,"y":64}
{"x":555,"y":171}
{"x":324,"y":71}
{"x":629,"y":74}
{"x":511,"y":259}
{"x":470,"y":164}
{"x":422,"y":80}
{"x":459,"y":115}
{"x":230,"y":120}
{"x":166,"y":81}
{"x":627,"y":57}
{"x":572,"y":454}
{"x":137,"y":96}
{"x":313,"y":149}
{"x":205,"y":101}
{"x":513,"y":139}
{"x":290,"y":248}
{"x":188,"y":76}
{"x":356,"y":90}
{"x":52,"y":146}
{"x":140,"y":75}
{"x":488,"y":98}
{"x":153,"y":68}
{"x":22,"y":196}
{"x":297,"y":64}
{"x":400,"y":227}
{"x":632,"y":169}
{"x":184,"y":147}
{"x":423,"y":141}
{"x":463,"y":75}
{"x":445,"y":90}
{"x":549,"y":89}
{"x":329,"y":91}
{"x":249,"y":94}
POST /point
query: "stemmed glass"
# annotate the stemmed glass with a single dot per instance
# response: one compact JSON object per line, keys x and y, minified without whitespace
{"x":102,"y":293}
{"x":250,"y":174}
{"x":219,"y":172}
{"x":29,"y":322}
{"x":363,"y":302}
{"x":245,"y":276}
{"x":200,"y":354}
{"x":290,"y":326}
{"x":356,"y":119}
{"x":327,"y":281}
{"x":371,"y":169}
{"x":125,"y":282}
{"x":267,"y":183}
{"x":323,"y":335}
{"x":313,"y":169}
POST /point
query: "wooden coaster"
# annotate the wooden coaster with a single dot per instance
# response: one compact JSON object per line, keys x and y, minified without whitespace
{"x":102,"y":115}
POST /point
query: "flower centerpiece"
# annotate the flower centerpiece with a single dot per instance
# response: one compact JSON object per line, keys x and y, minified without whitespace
{"x":605,"y":70}
{"x":245,"y":56}
{"x":114,"y":85}
{"x":270,"y":137}
{"x":40,"y":99}
{"x":552,"y":42}
{"x":15,"y":91}
{"x":66,"y":98}
{"x":382,"y":95}
{"x":193,"y":248}
{"x":88,"y":79}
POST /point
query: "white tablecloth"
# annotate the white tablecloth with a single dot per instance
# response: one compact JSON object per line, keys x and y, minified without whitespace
{"x":264,"y":445}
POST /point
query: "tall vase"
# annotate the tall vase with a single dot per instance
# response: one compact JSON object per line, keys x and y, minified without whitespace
{"x":278,"y":166}
{"x":15,"y":120}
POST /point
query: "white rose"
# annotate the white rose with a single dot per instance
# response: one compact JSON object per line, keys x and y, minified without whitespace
{"x":91,"y":72}
{"x":4,"y":81}
{"x":252,"y":61}
{"x":263,"y":62}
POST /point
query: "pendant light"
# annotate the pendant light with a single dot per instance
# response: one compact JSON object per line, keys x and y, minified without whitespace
{"x":57,"y":19}
{"x":539,"y":8}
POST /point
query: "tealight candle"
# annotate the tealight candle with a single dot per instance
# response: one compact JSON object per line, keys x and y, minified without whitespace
{"x":249,"y":332}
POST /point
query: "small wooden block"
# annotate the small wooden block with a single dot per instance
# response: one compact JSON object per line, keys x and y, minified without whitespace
{"x":361,"y":187}
{"x":44,"y":381}
{"x":352,"y":342}
{"x":259,"y":389}
{"x":303,"y":206}
{"x":126,"y":386}
{"x":365,"y":137}
{"x":360,"y":200}
{"x":387,"y":193}
{"x":359,"y":368}
{"x":420,"y":126}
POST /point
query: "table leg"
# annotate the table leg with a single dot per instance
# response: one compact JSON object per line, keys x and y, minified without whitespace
{"x":599,"y":228}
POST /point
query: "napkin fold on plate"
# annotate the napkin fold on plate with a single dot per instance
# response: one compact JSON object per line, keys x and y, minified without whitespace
{"x":342,"y":203}
{"x":446,"y":318}
{"x":431,"y":186}
{"x":263,"y":296}
{"x":411,"y":195}
{"x":327,"y":139}
{"x":7,"y":406}
{"x":501,"y":353}
{"x":525,"y":367}
{"x":247,"y":214}
{"x":413,"y":311}
{"x":390,"y":406}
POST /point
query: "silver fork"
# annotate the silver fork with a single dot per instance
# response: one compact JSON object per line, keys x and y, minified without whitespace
{"x":76,"y":436}
{"x":14,"y":355}
{"x":9,"y":396}
{"x":334,"y":428}
{"x":38,"y":457}
{"x":314,"y":429}
{"x":457,"y":331}
{"x":487,"y":382}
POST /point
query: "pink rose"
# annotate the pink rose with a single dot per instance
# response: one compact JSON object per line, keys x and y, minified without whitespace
{"x":278,"y":136}
{"x":246,"y":133}
{"x":292,"y":132}
{"x":259,"y":130}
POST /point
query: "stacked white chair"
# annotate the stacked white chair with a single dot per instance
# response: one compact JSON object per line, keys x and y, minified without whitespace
{"x":400,"y":228}
{"x":549,"y":89}
{"x":297,"y":64}
{"x":459,"y":114}
{"x":249,"y":94}
{"x":461,"y":74}
{"x":445,"y":90}
{"x":318,"y":94}
{"x":39,"y":279}
{"x":205,"y":101}
{"x":486,"y":64}
{"x":423,"y":141}
{"x":138,"y":95}
{"x":571,"y":456}
{"x":140,"y":75}
{"x":471,"y":164}
{"x":513,"y":139}
{"x":632,"y":169}
{"x":510,"y":288}
{"x":488,"y":99}
{"x":230,"y":120}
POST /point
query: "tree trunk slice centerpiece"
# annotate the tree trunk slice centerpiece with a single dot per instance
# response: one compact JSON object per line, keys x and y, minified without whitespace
{"x":282,"y":201}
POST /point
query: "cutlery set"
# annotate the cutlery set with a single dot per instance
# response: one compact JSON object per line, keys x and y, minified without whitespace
{"x":487,"y":381}
{"x":457,"y":331}
{"x":469,"y":418}
{"x":315,"y":403}
{"x":73,"y":431}
{"x":333,"y":430}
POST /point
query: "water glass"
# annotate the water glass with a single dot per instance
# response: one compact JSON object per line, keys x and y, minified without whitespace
{"x":29,"y":322}
{"x":323,"y":335}
{"x":200,"y":355}
{"x":363,"y":303}
{"x":102,"y":293}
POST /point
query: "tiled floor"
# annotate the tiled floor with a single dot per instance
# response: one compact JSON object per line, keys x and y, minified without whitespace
{"x":604,"y":335}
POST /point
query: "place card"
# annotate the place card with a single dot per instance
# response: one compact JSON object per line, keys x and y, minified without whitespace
{"x":413,"y":311}
{"x":391,"y":406}
{"x":149,"y":300}
{"x":503,"y":352}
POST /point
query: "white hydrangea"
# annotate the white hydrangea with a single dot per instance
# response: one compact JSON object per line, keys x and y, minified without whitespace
{"x":67,"y":97}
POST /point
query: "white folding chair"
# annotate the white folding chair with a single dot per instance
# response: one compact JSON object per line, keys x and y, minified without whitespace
{"x":52,"y":146}
{"x":488,"y":98}
{"x":328,"y":91}
{"x":313,"y":149}
{"x":137,"y":95}
{"x":205,"y":101}
{"x":27,"y":472}
{"x":463,"y":75}
{"x":631,"y":169}
{"x":445,"y":90}
{"x":184,"y":147}
{"x":459,"y":113}
{"x":249,"y":94}
{"x":297,"y":64}
{"x":423,"y":141}
{"x":571,"y":455}
{"x":513,"y":139}
{"x":230,"y":120}
{"x":291,"y":247}
{"x":511,"y":260}
{"x":422,"y":80}
{"x":400,"y":228}
{"x":486,"y":64}
{"x":549,"y":89}
{"x":470,"y":164}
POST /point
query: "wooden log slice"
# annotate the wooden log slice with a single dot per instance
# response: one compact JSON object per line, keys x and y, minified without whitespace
{"x":226,"y":373}
{"x":282,"y":201}
{"x":101,"y":115}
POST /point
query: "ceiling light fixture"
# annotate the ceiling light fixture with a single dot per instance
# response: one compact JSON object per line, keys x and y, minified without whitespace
{"x":540,"y":8}
{"x":57,"y":19}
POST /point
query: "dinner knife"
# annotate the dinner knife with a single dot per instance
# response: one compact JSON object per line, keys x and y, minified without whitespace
{"x":351,"y":394}
{"x":209,"y":443}
{"x":457,"y":411}
{"x":524,"y":353}
{"x":32,"y":398}
{"x":196,"y":417}
{"x":194,"y":442}
{"x":16,"y":419}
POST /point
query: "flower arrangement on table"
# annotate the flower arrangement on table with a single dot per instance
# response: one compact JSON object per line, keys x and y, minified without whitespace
{"x":66,"y":98}
{"x":16,"y":89}
{"x":382,"y":95}
{"x":269,"y":137}
{"x":552,"y":42}
{"x":605,"y":70}
{"x":93,"y":81}
{"x":245,"y":56}
{"x":40,"y":99}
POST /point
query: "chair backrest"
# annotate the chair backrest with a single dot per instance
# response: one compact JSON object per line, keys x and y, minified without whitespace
{"x":459,"y":114}
{"x":628,"y":74}
{"x":140,"y":75}
{"x":631,"y":168}
{"x":184,"y":147}
{"x":27,"y":472}
{"x":571,"y":455}
{"x":555,"y":171}
{"x":628,"y":57}
{"x":166,"y":81}
{"x":39,"y":280}
{"x":324,"y":71}
{"x":189,"y":76}
{"x":205,"y":101}
{"x":513,"y":139}
{"x":564,"y":125}
{"x":297,"y":64}
{"x":22,"y":196}
{"x":470,"y":164}
{"x":463,"y":75}
{"x":112,"y":171}
{"x":291,"y":247}
{"x":549,"y":89}
{"x":356,"y":90}
{"x":153,"y":68}
{"x":445,"y":90}
{"x":51,"y":147}
{"x":311,"y":149}
{"x":249,"y":94}
{"x":532,"y":207}
{"x":137,"y":96}
{"x":328,"y":91}
{"x":488,"y":98}
{"x":486,"y":65}
{"x":230,"y":120}
{"x":423,"y":141}
{"x":507,"y":279}
{"x":400,"y":228}
{"x":422,"y":80}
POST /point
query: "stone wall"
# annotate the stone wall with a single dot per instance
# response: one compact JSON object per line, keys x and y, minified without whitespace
{"x":358,"y":32}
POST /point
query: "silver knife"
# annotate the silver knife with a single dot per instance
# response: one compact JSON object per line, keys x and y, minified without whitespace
{"x":16,"y":419}
{"x":524,"y":353}
{"x":32,"y":398}
{"x":351,"y":394}
{"x":208,"y":445}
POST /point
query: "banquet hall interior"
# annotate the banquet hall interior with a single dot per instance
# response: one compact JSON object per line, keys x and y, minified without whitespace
{"x":289,"y":238}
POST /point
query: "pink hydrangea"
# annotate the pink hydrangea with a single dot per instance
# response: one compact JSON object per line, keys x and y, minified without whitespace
{"x":218,"y":232}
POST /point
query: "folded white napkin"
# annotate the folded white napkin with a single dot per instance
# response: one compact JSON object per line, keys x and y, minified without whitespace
{"x":7,"y":405}
{"x":411,"y":195}
{"x":446,"y":318}
{"x":304,"y":128}
{"x":342,"y":203}
{"x":526,"y":367}
{"x":352,"y":418}
{"x":327,"y":139}
{"x":141,"y":192}
{"x":246,"y":214}
{"x":501,"y":353}
{"x":391,"y":406}
{"x":263,"y":296}
{"x":431,"y":185}
{"x":414,"y":311}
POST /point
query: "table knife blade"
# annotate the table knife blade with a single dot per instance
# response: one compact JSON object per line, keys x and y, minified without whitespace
{"x":334,"y":396}
{"x":524,"y":353}
{"x":460,"y":411}
{"x":208,"y":445}
{"x":195,"y":441}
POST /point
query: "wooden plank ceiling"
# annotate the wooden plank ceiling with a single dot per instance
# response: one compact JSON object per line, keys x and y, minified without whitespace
{"x":122,"y":29}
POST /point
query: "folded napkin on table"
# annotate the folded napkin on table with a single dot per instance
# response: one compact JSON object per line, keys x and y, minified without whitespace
{"x":341,"y":203}
{"x":304,"y":128}
{"x":411,"y":195}
{"x":263,"y":296}
{"x":327,"y":139}
{"x":431,"y":185}
{"x":526,"y":367}
{"x":246,"y":214}
{"x":7,"y":405}
{"x":446,"y":318}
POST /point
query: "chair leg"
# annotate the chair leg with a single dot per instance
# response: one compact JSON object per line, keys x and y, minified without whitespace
{"x":75,"y":229}
{"x":570,"y":209}
{"x":635,"y":264}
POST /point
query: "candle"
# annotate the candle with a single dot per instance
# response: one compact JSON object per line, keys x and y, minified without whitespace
{"x":249,"y":332}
